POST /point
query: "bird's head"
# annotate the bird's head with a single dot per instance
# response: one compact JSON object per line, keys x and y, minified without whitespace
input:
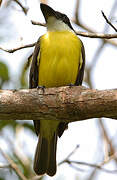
{"x":55,"y":21}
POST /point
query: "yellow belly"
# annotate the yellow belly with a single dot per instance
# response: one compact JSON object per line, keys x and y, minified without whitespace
{"x":60,"y":54}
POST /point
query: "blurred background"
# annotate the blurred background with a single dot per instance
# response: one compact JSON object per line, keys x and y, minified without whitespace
{"x":91,"y":144}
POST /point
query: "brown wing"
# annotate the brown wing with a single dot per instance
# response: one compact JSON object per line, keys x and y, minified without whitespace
{"x":33,"y":78}
{"x":81,"y":70}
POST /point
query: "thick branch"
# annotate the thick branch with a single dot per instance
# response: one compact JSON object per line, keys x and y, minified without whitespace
{"x":64,"y":103}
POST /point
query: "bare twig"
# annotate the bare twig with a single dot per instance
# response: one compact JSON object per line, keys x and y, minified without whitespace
{"x":110,"y":158}
{"x":90,"y":165}
{"x":102,"y":44}
{"x":77,"y":11}
{"x":71,"y":163}
{"x":69,"y":155}
{"x":24,"y":9}
{"x":109,"y":21}
{"x":13,"y":165}
{"x":97,"y":35}
{"x":18,"y":48}
{"x":38,"y":23}
{"x":109,"y":142}
{"x":74,"y":150}
{"x":84,"y":34}
{"x":74,"y":167}
{"x":79,"y":23}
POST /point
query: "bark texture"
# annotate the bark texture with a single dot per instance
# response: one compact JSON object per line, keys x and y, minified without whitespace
{"x":65,"y":103}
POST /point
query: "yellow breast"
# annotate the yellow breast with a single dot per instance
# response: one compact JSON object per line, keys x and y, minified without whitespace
{"x":60,"y":54}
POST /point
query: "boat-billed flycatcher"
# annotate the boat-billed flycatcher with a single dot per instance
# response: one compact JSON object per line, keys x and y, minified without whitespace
{"x":58,"y":60}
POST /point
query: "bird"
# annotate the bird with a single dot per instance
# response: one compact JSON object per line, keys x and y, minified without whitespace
{"x":58,"y":60}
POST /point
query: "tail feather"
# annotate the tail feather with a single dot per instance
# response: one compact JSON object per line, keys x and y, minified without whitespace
{"x":41,"y":156}
{"x":45,"y":156}
{"x":51,"y":168}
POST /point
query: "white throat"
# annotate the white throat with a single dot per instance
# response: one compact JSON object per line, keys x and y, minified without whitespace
{"x":54,"y":24}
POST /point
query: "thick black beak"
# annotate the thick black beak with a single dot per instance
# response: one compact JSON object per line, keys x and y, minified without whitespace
{"x":47,"y":11}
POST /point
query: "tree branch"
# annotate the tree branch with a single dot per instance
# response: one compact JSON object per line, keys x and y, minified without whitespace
{"x":90,"y":165}
{"x":18,"y":48}
{"x":38,"y":23}
{"x":97,"y":35}
{"x":84,"y":34}
{"x":24,"y":9}
{"x":108,"y":22}
{"x":63,"y":103}
{"x":72,"y":163}
{"x":13,"y":165}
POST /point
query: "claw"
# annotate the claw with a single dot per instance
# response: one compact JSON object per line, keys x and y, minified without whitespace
{"x":42,"y":88}
{"x":71,"y":85}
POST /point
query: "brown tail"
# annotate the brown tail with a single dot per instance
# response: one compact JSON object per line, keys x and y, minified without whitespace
{"x":45,"y":156}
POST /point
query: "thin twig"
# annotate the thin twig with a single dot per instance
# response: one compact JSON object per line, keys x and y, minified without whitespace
{"x":90,"y":165}
{"x":70,"y":162}
{"x":69,"y":155}
{"x":38,"y":23}
{"x":102,"y":44}
{"x":74,"y":167}
{"x":77,"y":11}
{"x":84,"y":34}
{"x":109,"y":142}
{"x":96,"y":35}
{"x":24,"y":9}
{"x":108,"y":21}
{"x":18,"y":48}
{"x":74,"y":150}
{"x":88,"y":29}
{"x":13,"y":165}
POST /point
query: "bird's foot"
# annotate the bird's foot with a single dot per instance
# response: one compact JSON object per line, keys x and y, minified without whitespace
{"x":71,"y":85}
{"x":42,"y":88}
